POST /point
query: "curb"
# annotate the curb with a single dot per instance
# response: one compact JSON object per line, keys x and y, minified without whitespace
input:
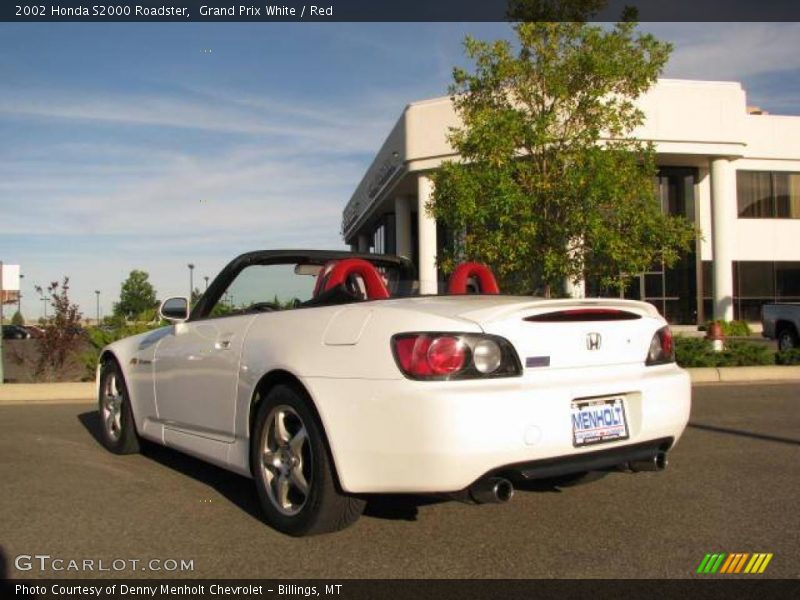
{"x":744,"y":374}
{"x":47,"y":393}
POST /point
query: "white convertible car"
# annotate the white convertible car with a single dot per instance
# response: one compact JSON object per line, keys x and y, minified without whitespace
{"x":324,"y":377}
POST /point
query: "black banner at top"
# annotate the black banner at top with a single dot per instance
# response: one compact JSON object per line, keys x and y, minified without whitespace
{"x":379,"y":10}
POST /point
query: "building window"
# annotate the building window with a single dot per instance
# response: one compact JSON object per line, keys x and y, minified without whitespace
{"x":768,"y":194}
{"x":762,"y":282}
{"x":755,"y":283}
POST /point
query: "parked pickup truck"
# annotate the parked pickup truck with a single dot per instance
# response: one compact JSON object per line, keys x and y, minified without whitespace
{"x":782,"y":322}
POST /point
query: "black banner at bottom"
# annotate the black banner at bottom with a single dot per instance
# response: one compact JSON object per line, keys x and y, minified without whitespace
{"x":352,"y":589}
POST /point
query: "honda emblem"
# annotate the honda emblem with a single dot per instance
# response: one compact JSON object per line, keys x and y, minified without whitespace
{"x":593,"y":341}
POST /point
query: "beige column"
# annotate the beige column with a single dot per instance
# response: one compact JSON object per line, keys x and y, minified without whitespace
{"x":402,"y":226}
{"x":575,"y":289}
{"x":723,"y":207}
{"x":426,"y":232}
{"x":363,"y":242}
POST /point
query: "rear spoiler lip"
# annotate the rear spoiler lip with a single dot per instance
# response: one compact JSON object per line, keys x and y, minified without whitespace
{"x":545,"y":305}
{"x":584,"y":315}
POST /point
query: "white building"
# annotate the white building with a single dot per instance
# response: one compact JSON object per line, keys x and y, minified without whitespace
{"x":731,"y":168}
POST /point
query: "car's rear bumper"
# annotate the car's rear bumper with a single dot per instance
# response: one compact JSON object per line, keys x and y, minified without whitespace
{"x":412,"y":436}
{"x":597,"y":460}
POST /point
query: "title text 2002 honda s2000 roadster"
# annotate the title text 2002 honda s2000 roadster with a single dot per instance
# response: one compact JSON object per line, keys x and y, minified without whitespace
{"x":324,"y":376}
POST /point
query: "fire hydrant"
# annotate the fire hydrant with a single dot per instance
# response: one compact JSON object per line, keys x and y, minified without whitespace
{"x":716,"y":336}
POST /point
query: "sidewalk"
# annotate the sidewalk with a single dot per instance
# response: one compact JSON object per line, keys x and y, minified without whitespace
{"x":67,"y":393}
{"x":47,"y":393}
{"x":745,"y":374}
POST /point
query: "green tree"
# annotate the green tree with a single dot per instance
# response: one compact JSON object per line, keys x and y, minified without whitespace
{"x":137,"y":295}
{"x":18,"y":319}
{"x":550,"y":184}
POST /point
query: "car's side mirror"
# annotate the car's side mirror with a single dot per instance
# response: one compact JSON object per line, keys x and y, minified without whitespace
{"x":174,"y":310}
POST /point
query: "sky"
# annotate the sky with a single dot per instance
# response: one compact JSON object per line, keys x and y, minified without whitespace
{"x":152,"y":146}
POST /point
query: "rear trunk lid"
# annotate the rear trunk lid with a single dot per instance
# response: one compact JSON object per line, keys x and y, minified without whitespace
{"x":565,"y":334}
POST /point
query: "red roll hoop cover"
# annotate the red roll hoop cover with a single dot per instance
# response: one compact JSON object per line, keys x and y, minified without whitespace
{"x":341,"y":270}
{"x":460,"y":278}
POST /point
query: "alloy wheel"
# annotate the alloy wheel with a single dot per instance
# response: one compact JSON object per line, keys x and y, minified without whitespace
{"x":286,"y":460}
{"x":111,"y":412}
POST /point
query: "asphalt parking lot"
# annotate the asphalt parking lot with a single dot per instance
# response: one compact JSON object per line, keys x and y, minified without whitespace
{"x":732,"y":486}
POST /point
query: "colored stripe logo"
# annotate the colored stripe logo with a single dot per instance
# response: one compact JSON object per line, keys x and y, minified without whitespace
{"x":736,"y":562}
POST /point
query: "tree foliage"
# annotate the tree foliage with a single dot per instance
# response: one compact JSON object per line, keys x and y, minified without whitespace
{"x":137,"y":296}
{"x":551,"y":185}
{"x":17,"y":319}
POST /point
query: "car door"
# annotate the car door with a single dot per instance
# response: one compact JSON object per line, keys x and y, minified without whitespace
{"x":196,"y":375}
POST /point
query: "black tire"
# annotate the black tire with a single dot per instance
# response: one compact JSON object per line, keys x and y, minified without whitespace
{"x":117,"y":429}
{"x":787,"y":338}
{"x":323,"y":508}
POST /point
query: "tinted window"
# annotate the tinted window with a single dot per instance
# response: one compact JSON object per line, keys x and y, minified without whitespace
{"x":768,"y":195}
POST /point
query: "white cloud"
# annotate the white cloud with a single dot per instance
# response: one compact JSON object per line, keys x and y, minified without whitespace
{"x":729,"y":51}
{"x":308,"y":127}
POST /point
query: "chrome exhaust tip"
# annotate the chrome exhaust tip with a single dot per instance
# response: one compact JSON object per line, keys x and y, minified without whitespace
{"x":492,"y":490}
{"x":657,"y":462}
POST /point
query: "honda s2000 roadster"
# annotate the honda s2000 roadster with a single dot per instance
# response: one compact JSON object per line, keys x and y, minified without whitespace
{"x":325,"y":376}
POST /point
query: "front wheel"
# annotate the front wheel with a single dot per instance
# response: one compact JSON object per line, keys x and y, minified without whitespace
{"x":117,"y":429}
{"x":293,"y":470}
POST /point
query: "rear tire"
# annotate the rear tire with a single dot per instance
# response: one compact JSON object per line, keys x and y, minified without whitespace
{"x":117,"y":428}
{"x":293,"y":468}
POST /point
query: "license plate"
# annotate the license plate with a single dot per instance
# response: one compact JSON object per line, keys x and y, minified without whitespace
{"x":598,"y":420}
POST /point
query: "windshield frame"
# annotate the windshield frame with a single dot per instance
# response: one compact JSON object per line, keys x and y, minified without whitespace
{"x":202,"y":310}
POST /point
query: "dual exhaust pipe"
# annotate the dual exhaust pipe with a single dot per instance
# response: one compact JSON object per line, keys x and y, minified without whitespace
{"x":498,"y":490}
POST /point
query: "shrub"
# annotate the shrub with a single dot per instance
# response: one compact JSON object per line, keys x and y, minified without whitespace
{"x":699,"y":352}
{"x":788,"y":357}
{"x":730,"y":328}
{"x":62,"y":332}
{"x":746,"y":354}
{"x":695,"y":352}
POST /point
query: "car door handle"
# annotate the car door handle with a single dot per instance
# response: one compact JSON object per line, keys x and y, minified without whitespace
{"x":223,"y":345}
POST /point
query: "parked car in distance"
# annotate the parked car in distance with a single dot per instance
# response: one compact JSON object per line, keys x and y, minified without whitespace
{"x":325,"y":376}
{"x":782,"y":322}
{"x":15,"y":332}
{"x":35,"y":331}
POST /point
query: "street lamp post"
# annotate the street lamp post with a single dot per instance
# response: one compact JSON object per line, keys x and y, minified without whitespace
{"x":97,"y":294}
{"x":19,"y":297}
{"x":191,"y":281}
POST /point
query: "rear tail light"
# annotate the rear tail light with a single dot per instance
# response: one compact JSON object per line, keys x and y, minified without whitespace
{"x":662,"y":348}
{"x":442,"y":356}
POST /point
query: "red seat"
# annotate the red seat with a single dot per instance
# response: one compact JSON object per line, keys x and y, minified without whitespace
{"x":337,"y":272}
{"x":459,"y":280}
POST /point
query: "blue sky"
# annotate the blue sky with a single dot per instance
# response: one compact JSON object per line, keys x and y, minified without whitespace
{"x":129,"y":146}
